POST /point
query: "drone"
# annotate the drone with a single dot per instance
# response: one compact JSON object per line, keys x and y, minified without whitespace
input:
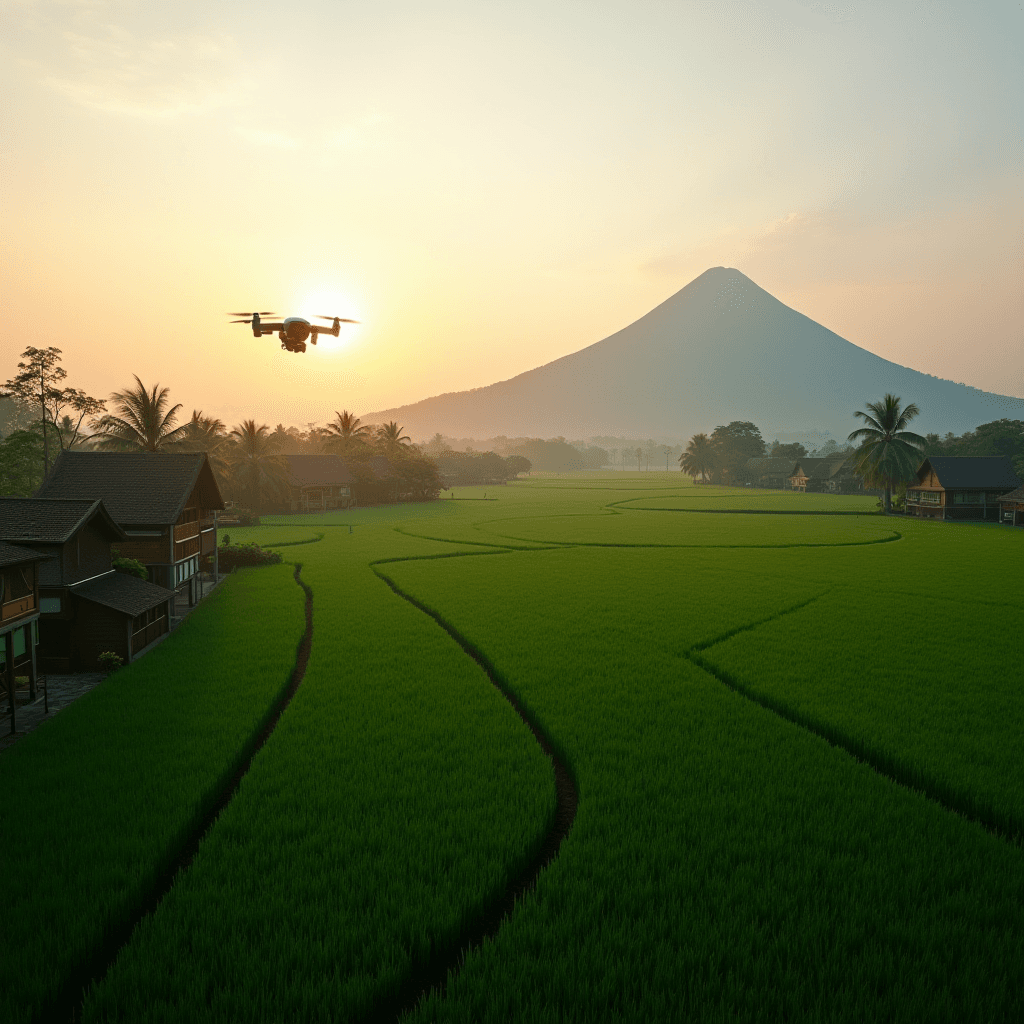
{"x":293,"y":330}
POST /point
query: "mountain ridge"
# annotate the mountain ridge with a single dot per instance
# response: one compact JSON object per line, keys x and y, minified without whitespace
{"x":721,"y":348}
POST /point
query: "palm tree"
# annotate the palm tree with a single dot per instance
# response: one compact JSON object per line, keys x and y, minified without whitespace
{"x":258,"y":466}
{"x":144,"y":422}
{"x":347,"y":434}
{"x":699,"y":459}
{"x":206,"y":434}
{"x":391,"y":438}
{"x":888,"y":453}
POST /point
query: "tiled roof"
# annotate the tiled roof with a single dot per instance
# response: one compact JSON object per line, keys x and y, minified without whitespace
{"x":1017,"y":495}
{"x":11,"y":554}
{"x":318,"y":470}
{"x":818,"y":469}
{"x":982,"y":471}
{"x":144,"y":488}
{"x":768,"y":466}
{"x":123,"y":593}
{"x":50,"y":520}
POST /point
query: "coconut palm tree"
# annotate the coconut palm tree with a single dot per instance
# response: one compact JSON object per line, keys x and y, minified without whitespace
{"x":206,"y":434}
{"x":346,"y":434}
{"x":888,"y":453}
{"x":258,"y":467}
{"x":699,"y":459}
{"x":144,"y":422}
{"x":391,"y":438}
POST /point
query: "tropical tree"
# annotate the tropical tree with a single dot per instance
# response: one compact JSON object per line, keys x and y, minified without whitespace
{"x":206,"y":434}
{"x":259,"y":468}
{"x":346,"y":435}
{"x":144,"y":421}
{"x":889,"y":453}
{"x":38,"y":382}
{"x":700,"y":458}
{"x":391,"y":439}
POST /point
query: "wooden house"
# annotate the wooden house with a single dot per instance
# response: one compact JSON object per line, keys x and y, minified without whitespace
{"x":85,"y":607}
{"x":319,"y":483}
{"x":165,"y":503}
{"x":814,"y":474}
{"x":843,"y":478}
{"x":770,"y":472}
{"x":961,"y":487}
{"x":19,"y":619}
{"x":1012,"y":508}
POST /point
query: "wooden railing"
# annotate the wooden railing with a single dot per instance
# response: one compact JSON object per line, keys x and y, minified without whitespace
{"x":186,"y":530}
{"x":18,"y":607}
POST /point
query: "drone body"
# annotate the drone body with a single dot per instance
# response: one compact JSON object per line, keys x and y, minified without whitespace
{"x":293,"y":330}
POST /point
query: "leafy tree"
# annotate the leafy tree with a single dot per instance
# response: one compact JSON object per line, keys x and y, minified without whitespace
{"x":206,"y":434}
{"x":21,"y":463}
{"x":1000,"y":437}
{"x":259,"y":469}
{"x":594,"y":457}
{"x":700,"y":458}
{"x":144,"y":421}
{"x":390,"y":439}
{"x":792,"y":451}
{"x":516,"y":464}
{"x":39,"y":382}
{"x":888,"y":453}
{"x":735,"y":445}
{"x":346,"y":435}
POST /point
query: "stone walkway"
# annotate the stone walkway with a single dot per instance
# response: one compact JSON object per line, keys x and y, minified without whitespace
{"x":62,"y":691}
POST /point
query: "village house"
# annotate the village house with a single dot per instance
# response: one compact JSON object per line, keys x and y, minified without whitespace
{"x":773,"y":473}
{"x":961,"y":487}
{"x":19,"y":619}
{"x":1012,"y":507}
{"x":85,"y":607}
{"x":165,"y":503}
{"x":319,"y":483}
{"x":814,"y":475}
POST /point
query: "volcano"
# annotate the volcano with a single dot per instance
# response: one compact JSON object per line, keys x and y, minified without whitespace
{"x":720,"y":349}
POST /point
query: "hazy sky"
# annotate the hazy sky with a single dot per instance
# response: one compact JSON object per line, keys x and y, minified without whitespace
{"x":491,"y":185}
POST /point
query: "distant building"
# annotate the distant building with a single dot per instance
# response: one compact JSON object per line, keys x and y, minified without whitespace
{"x":961,"y":487}
{"x":319,"y":483}
{"x":165,"y":503}
{"x":770,"y":472}
{"x":815,"y":475}
{"x":1012,"y":507}
{"x":85,"y":607}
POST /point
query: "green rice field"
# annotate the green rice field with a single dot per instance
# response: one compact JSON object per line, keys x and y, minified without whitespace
{"x":794,"y":728}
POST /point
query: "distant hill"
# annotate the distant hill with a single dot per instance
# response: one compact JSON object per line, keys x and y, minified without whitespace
{"x":720,"y":349}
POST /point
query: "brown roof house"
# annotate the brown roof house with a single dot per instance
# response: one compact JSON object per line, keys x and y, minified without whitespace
{"x":85,"y":607}
{"x":165,"y":503}
{"x":961,"y":487}
{"x":814,"y":475}
{"x":319,"y":483}
{"x":1012,"y":507}
{"x":19,"y":620}
{"x":766,"y":471}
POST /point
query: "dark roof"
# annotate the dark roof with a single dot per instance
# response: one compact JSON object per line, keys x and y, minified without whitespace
{"x":768,"y":466}
{"x":11,"y":554}
{"x":989,"y":471}
{"x":1017,"y":495}
{"x":123,"y":593}
{"x":819,"y":469}
{"x":51,"y":520}
{"x":144,"y":488}
{"x":314,"y":470}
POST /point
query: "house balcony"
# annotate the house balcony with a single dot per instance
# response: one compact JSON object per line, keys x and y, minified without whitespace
{"x":19,"y":607}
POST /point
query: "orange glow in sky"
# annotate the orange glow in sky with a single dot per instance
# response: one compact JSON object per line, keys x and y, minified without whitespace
{"x":489,"y":186}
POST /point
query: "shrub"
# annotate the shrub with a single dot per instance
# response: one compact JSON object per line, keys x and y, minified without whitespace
{"x":233,"y":556}
{"x":109,"y":661}
{"x":130,"y":567}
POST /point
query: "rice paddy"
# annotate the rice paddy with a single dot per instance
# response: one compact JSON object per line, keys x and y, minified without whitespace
{"x":794,"y":738}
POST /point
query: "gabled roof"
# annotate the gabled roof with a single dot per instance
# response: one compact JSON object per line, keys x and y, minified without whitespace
{"x":123,"y":593}
{"x":768,"y":466}
{"x":145,"y":488}
{"x":11,"y":554}
{"x":982,"y":471}
{"x":52,"y":520}
{"x":818,"y":469}
{"x":1017,"y":495}
{"x":323,"y":470}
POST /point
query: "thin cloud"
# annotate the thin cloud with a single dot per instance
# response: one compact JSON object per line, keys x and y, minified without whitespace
{"x":273,"y":140}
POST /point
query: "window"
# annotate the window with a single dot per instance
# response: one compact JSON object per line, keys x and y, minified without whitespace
{"x":925,"y":497}
{"x":19,"y":642}
{"x":967,"y":498}
{"x":49,"y":605}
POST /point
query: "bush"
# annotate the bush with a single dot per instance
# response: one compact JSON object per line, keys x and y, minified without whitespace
{"x":109,"y":661}
{"x":130,"y":567}
{"x":235,"y":556}
{"x":225,"y":540}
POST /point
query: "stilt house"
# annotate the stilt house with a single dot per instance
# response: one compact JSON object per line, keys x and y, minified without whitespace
{"x":961,"y":487}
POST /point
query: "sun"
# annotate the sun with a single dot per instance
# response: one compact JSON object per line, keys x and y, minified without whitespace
{"x":331,"y":303}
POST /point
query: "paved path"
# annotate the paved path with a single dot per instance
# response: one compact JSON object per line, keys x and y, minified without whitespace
{"x":62,"y":691}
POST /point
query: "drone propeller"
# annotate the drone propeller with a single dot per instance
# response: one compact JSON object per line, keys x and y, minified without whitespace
{"x":261,"y":312}
{"x":341,"y":318}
